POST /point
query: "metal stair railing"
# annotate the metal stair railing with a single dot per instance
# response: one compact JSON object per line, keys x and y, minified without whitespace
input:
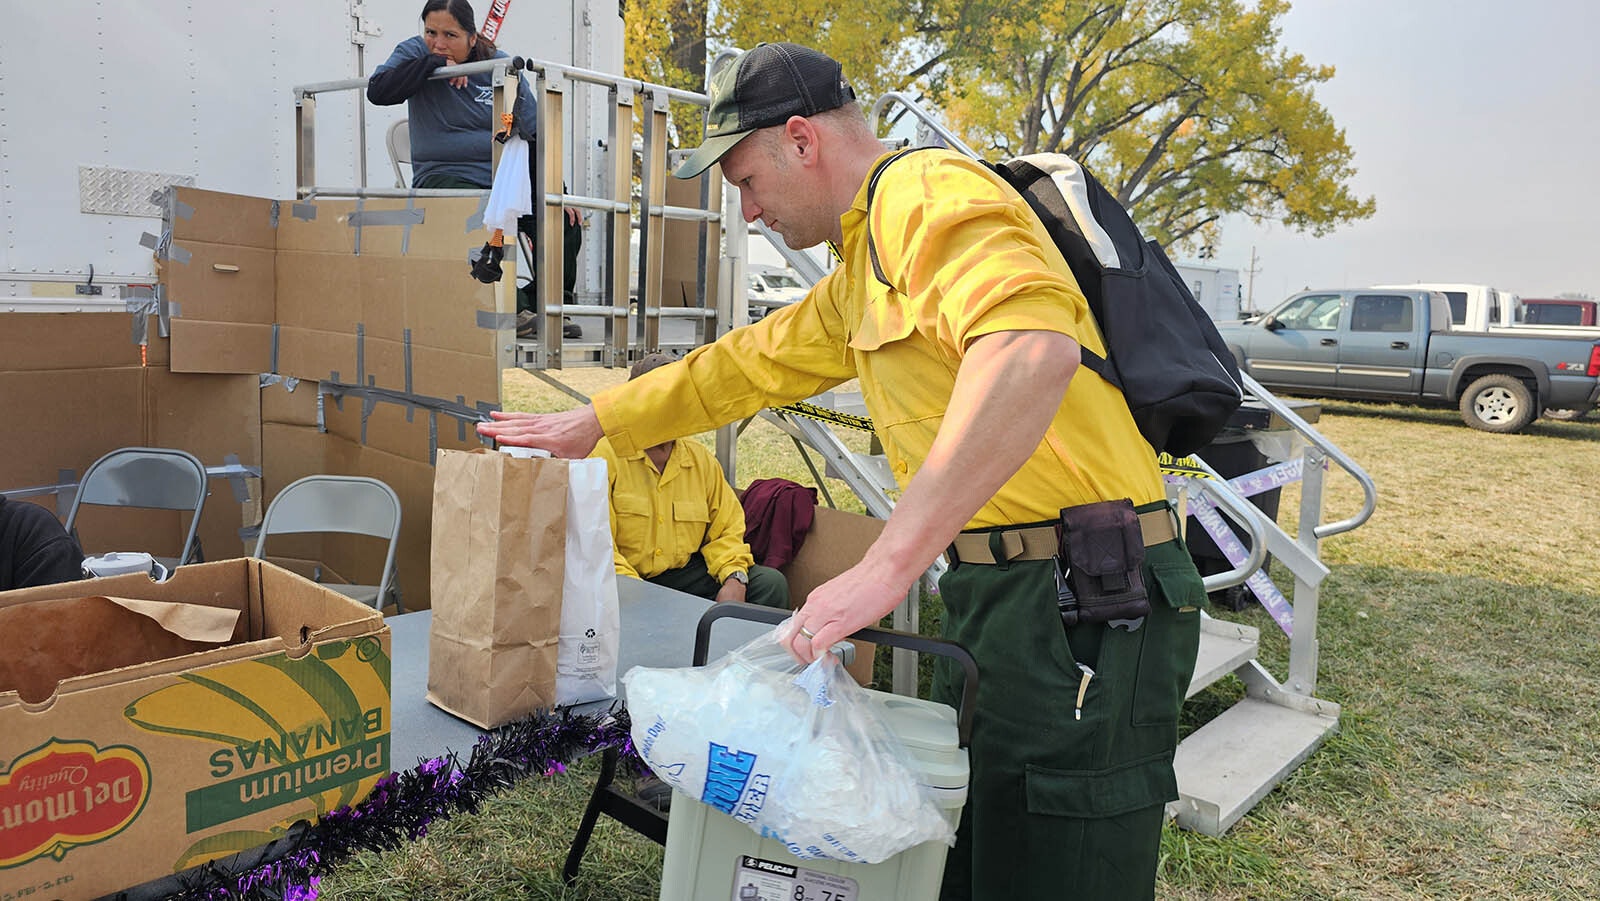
{"x":1319,"y":452}
{"x":625,"y":336}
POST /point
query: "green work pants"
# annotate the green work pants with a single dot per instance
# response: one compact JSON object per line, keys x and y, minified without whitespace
{"x":767,"y":587}
{"x":1064,"y":802}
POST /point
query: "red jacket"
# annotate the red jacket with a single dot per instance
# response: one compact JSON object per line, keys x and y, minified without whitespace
{"x":777,"y":515}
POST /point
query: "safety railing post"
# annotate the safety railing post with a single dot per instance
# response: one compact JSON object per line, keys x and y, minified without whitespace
{"x":305,"y":140}
{"x":729,"y":254}
{"x":653,"y":221}
{"x":506,"y":85}
{"x":549,"y":268}
{"x":708,"y":248}
{"x":620,"y":144}
{"x":1303,"y":648}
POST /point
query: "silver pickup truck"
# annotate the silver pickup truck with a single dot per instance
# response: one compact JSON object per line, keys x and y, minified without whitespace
{"x":1389,"y":344}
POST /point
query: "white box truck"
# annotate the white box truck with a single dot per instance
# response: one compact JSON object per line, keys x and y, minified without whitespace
{"x":202,"y":94}
{"x":1215,"y":287}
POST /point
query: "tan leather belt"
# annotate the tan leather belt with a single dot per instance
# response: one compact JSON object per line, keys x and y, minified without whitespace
{"x":1042,"y":542}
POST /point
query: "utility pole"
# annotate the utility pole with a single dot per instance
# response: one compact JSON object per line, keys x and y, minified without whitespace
{"x":1250,"y":291}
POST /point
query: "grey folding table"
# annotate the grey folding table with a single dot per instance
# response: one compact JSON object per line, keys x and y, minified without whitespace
{"x":658,"y":629}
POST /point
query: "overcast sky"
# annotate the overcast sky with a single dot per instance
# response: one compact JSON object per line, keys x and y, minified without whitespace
{"x":1475,"y":125}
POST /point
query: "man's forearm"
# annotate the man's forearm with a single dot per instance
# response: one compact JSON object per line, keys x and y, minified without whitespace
{"x":1006,"y":394}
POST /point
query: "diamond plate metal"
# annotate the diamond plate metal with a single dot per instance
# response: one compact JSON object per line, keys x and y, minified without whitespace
{"x":124,"y":192}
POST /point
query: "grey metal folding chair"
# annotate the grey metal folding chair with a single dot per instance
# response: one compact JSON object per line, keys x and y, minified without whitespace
{"x":398,"y":140}
{"x":152,"y":477}
{"x":350,"y":504}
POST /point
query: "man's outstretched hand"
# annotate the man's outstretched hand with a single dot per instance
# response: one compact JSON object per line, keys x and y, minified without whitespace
{"x":571,"y":434}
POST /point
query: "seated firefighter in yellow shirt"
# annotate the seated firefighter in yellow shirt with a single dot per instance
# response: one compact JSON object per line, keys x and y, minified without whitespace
{"x":676,"y":521}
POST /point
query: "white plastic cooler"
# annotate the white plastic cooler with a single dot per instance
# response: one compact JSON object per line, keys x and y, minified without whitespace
{"x":710,"y":856}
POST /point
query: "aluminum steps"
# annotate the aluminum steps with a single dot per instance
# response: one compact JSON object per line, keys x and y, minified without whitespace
{"x":1224,"y":647}
{"x":1228,"y":765}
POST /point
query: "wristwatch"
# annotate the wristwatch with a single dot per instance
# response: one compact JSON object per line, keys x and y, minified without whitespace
{"x":740,"y":576}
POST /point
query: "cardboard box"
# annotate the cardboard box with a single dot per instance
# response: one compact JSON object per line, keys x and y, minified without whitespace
{"x":837,"y":541}
{"x":124,"y":776}
{"x":210,"y":416}
{"x":687,"y":243}
{"x":258,"y":288}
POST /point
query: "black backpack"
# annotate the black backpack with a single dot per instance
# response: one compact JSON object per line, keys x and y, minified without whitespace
{"x":1178,"y":378}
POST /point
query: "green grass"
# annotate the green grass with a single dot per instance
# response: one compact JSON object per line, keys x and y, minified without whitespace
{"x":513,"y":848}
{"x":1457,"y":632}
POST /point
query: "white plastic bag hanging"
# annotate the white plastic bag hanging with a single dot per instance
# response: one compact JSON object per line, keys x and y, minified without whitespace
{"x":586,"y":662}
{"x":512,"y":193}
{"x":807,"y":759}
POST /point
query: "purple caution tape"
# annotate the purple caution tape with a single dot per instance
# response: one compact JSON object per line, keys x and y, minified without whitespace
{"x":1232,"y":548}
{"x":1249,"y":485}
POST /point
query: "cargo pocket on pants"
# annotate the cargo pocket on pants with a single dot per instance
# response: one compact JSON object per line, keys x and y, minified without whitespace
{"x":1103,"y":793}
{"x":1171,"y":641}
{"x":1095,"y":834}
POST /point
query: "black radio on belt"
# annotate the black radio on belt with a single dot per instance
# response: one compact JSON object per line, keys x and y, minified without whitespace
{"x":1099,"y":576}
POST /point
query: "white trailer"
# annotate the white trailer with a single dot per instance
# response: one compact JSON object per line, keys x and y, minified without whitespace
{"x":1216,"y":288}
{"x":202,"y":94}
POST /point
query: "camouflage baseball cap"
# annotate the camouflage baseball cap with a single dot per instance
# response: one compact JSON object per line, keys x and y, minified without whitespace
{"x":762,"y":87}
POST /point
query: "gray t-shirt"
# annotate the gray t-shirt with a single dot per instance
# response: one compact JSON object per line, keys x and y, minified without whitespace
{"x":452,"y":128}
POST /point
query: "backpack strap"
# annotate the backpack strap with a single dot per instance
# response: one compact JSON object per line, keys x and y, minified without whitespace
{"x":1061,"y":196}
{"x":1021,"y":176}
{"x":872,"y":187}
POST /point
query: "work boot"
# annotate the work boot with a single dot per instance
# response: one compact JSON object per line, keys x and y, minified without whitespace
{"x":569,"y":329}
{"x":655,"y":793}
{"x":527,"y":324}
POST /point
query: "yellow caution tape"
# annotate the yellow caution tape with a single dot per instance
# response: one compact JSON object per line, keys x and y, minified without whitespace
{"x":1186,"y":466}
{"x":812,"y":411}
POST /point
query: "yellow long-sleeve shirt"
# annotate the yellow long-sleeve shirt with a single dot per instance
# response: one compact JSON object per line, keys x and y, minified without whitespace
{"x":967,"y":258}
{"x":658,"y":520}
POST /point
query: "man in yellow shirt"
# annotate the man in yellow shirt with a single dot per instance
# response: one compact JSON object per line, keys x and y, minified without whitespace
{"x":967,"y":351}
{"x":676,"y":521}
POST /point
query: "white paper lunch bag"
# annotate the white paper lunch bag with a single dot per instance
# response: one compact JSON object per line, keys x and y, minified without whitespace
{"x":586,"y":664}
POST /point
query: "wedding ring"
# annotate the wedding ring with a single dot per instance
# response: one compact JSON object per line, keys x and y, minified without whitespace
{"x":810,"y":635}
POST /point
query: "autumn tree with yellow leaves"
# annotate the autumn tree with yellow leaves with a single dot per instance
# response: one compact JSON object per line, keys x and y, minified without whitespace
{"x":1187,"y":110}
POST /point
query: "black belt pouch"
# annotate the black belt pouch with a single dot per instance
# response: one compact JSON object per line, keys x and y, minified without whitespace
{"x":1102,"y":549}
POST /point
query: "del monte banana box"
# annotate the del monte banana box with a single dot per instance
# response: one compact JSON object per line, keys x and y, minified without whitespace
{"x":147,"y":727}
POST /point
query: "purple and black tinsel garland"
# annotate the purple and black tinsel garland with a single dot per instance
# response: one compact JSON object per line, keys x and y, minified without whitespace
{"x":403,"y":805}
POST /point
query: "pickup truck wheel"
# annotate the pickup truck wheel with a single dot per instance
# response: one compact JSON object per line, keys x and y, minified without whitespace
{"x":1498,"y":403}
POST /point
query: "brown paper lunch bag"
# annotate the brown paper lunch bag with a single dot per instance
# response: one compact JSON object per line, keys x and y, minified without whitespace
{"x":498,"y":561}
